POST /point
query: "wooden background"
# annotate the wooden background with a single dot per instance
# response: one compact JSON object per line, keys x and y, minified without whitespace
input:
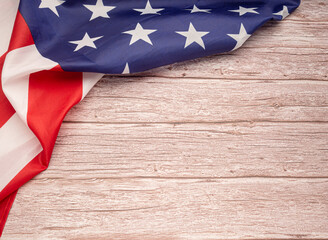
{"x":233,"y":146}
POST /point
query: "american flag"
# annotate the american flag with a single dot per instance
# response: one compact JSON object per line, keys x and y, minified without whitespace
{"x":54,"y":51}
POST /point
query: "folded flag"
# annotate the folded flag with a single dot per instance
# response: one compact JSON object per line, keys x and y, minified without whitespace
{"x":54,"y":51}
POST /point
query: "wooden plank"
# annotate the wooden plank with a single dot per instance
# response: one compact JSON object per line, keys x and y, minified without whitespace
{"x":309,"y":10}
{"x":190,"y":150}
{"x":269,"y":64}
{"x":124,"y":100}
{"x":250,"y":208}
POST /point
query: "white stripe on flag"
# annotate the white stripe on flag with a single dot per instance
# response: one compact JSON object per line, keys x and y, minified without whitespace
{"x":18,"y":66}
{"x":89,"y":80}
{"x":18,"y":146}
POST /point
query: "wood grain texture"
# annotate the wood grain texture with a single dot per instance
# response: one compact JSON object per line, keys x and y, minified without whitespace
{"x":232,"y":146}
{"x":190,"y":150}
{"x":153,"y":208}
{"x":144,"y":100}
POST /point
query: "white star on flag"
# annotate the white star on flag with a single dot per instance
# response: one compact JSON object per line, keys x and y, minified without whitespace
{"x":240,"y":38}
{"x":86,"y":41}
{"x":51,"y":4}
{"x":243,"y":10}
{"x":148,"y":9}
{"x":99,"y":10}
{"x":192,"y":35}
{"x":139,"y":33}
{"x":126,"y":69}
{"x":195,"y":9}
{"x":283,"y":13}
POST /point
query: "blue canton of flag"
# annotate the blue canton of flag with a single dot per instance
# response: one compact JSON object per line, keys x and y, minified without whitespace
{"x":113,"y":36}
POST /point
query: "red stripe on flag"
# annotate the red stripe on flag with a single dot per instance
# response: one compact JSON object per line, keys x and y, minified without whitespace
{"x":21,"y":36}
{"x":51,"y":94}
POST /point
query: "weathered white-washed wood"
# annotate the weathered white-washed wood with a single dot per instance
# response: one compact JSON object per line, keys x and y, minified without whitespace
{"x":147,"y":209}
{"x":190,"y":150}
{"x":252,"y":64}
{"x":311,"y":11}
{"x":122,"y":100}
{"x":256,"y":62}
